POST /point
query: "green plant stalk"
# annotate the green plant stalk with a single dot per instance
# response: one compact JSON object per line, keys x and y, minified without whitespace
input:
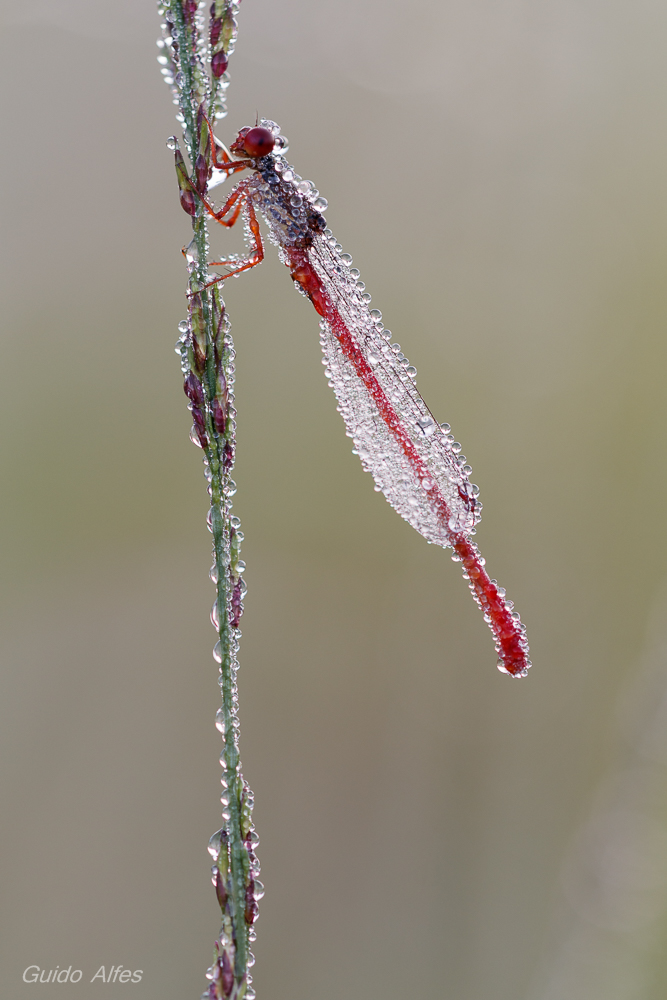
{"x":207,"y":362}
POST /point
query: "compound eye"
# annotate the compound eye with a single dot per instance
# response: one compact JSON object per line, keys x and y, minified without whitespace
{"x":258,"y":141}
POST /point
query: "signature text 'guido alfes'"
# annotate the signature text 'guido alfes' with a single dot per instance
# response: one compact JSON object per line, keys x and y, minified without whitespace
{"x":116,"y":974}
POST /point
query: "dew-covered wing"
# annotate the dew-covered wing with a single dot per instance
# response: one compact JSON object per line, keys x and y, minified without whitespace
{"x":413,"y":460}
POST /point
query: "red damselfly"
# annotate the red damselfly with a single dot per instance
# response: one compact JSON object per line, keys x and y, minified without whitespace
{"x":413,"y":459}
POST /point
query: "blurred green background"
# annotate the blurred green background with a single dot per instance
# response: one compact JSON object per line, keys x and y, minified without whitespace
{"x":429,"y":828}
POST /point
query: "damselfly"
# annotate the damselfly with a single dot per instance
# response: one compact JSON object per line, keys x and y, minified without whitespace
{"x":413,"y":459}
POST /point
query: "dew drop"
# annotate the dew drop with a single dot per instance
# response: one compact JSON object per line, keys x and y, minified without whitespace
{"x":217,"y":651}
{"x":194,"y":436}
{"x":214,"y":844}
{"x":427,"y":425}
{"x":458,"y":521}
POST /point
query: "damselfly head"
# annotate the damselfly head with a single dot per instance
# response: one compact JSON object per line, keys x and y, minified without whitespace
{"x":255,"y":142}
